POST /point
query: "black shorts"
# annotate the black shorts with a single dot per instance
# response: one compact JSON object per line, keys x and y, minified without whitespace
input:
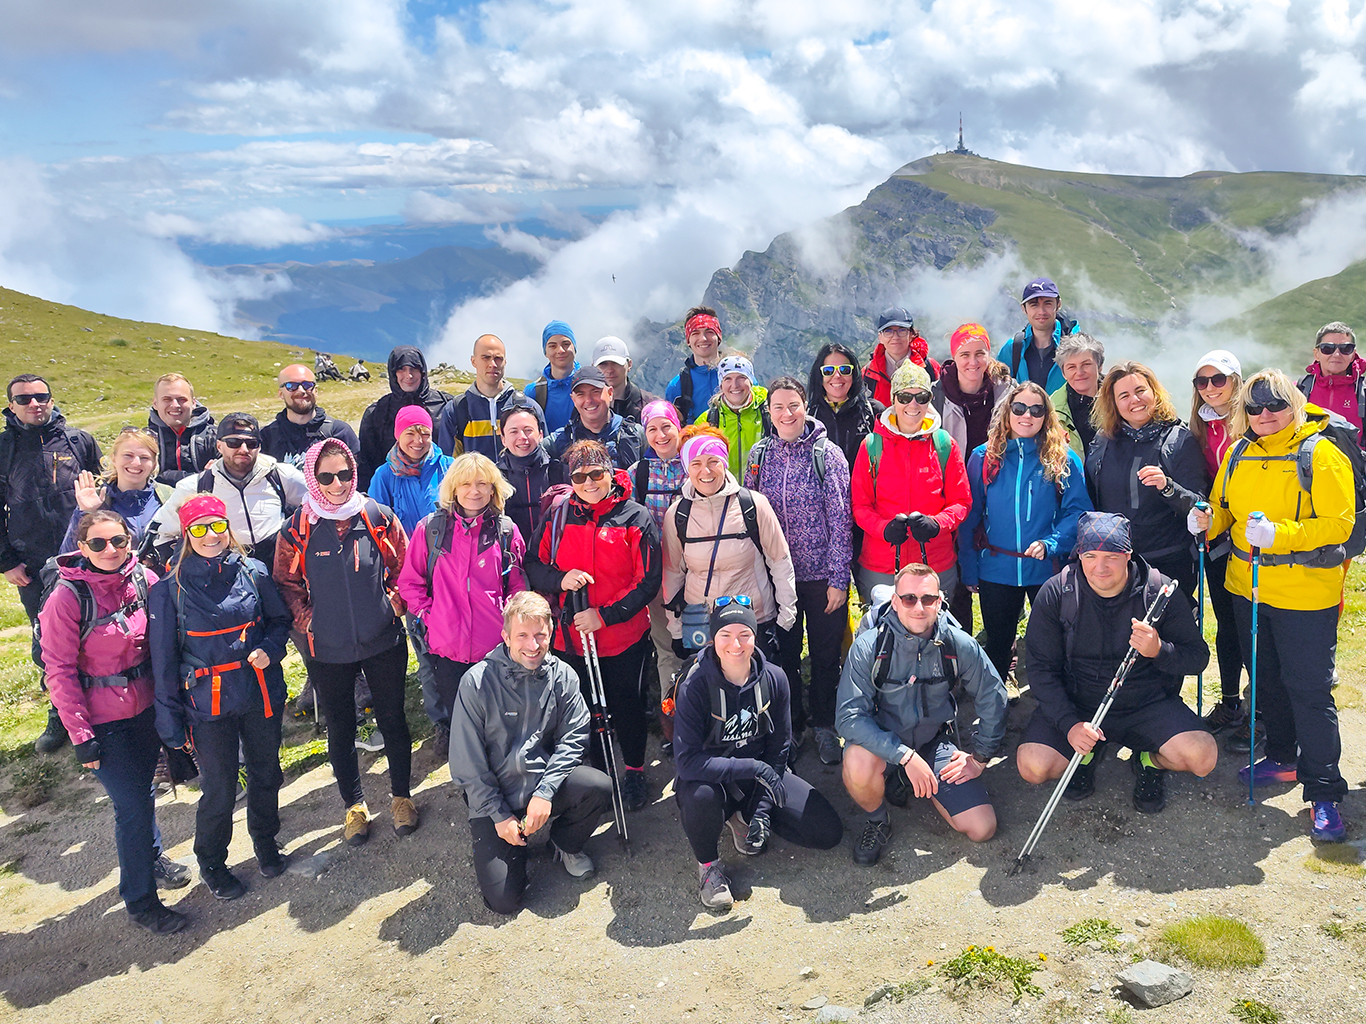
{"x":954,"y":797}
{"x":1145,"y":728}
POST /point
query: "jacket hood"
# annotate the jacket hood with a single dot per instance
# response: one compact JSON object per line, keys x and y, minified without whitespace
{"x":57,"y":421}
{"x":199,"y":419}
{"x":282,"y":418}
{"x":73,"y":566}
{"x":540,"y":456}
{"x":1291,"y":437}
{"x":886,"y":423}
{"x":407,"y":355}
{"x":731,"y":486}
{"x":1356,"y":369}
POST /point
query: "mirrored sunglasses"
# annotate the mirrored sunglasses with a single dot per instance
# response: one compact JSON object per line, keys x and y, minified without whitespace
{"x":198,"y":530}
{"x":844,"y":370}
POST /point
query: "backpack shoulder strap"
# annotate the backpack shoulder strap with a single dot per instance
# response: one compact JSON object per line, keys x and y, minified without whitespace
{"x":435,"y":530}
{"x":818,"y":458}
{"x":370,"y":515}
{"x":1361,"y":396}
{"x":541,"y":392}
{"x":278,"y":486}
{"x":505,"y":527}
{"x":681,"y":513}
{"x":943,"y":447}
{"x":85,"y":599}
{"x":1017,"y":354}
{"x":1306,"y":384}
{"x":642,"y":480}
{"x":750,"y":513}
{"x":754,"y":462}
{"x":205,"y":484}
{"x":873,"y":444}
{"x":1304,"y":462}
{"x":685,"y":393}
{"x":1234,"y":454}
{"x":948,"y":659}
{"x":1069,"y":607}
{"x":714,"y":416}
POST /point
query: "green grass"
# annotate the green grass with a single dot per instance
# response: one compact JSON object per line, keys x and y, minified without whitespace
{"x":1120,"y":1015}
{"x":1251,"y":1011}
{"x":980,"y":967}
{"x":1093,"y":929}
{"x":1210,"y":941}
{"x":1336,"y":859}
{"x":1338,"y":930}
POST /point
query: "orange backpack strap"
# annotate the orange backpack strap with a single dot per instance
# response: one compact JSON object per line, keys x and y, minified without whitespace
{"x":381,"y":539}
{"x":300,"y":541}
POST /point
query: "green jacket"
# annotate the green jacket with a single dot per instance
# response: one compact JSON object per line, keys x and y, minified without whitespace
{"x":1064,"y":411}
{"x":741,"y":428}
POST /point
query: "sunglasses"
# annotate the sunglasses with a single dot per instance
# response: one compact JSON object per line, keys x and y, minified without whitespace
{"x":295,"y":385}
{"x":1347,"y":348}
{"x":41,"y":397}
{"x":1216,"y":379}
{"x":584,"y":475}
{"x":1279,"y":405}
{"x":741,"y":599}
{"x":237,"y":442}
{"x":912,"y":397}
{"x":344,"y":475}
{"x":1020,"y":409}
{"x":926,"y":600}
{"x":844,"y":370}
{"x":100,"y":543}
{"x":198,"y":530}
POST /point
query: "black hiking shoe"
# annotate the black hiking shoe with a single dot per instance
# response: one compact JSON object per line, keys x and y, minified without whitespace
{"x":1083,"y":781}
{"x":1225,"y":715}
{"x":876,"y":835}
{"x":1150,"y":788}
{"x":54,"y":737}
{"x":170,"y":874}
{"x":271,"y":861}
{"x":1237,"y":742}
{"x":634,"y":793}
{"x":222,"y":883}
{"x":161,"y":920}
{"x":898,"y":789}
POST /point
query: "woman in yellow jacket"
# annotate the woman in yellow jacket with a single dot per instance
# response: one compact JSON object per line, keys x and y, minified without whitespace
{"x":1259,"y":496}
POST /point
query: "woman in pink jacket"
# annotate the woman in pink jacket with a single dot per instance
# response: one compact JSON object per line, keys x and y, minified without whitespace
{"x":463,"y":562}
{"x":94,"y":642}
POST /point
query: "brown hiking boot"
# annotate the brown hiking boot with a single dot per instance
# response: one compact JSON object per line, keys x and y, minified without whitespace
{"x":404,"y":813}
{"x":357,"y":824}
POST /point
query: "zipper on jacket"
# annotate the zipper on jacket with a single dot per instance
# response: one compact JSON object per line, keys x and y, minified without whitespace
{"x":1019,"y":534}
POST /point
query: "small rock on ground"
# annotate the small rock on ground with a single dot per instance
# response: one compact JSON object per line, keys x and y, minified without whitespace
{"x":830,"y":1014}
{"x":1156,"y":984}
{"x":815,"y":1003}
{"x":881,"y":992}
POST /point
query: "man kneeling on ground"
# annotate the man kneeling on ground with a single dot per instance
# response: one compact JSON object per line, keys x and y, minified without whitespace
{"x":1083,"y":621}
{"x":518,"y":734}
{"x":896,"y":712}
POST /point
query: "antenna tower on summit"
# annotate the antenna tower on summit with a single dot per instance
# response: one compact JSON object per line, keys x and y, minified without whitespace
{"x":962,"y":150}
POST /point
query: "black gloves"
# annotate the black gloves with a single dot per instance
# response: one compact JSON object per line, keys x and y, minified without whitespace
{"x":897,"y":530}
{"x":769,"y":778}
{"x":923,"y":528}
{"x":680,"y":651}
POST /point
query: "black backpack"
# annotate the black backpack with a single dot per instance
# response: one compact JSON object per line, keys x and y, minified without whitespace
{"x":882,"y":669}
{"x":683,"y":403}
{"x":1069,"y":325}
{"x":51,"y":578}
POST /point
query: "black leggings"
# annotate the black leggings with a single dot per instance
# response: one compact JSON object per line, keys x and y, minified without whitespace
{"x":336,"y":683}
{"x":806,"y":819}
{"x":1001,"y":606}
{"x":447,"y":674}
{"x":582,"y":799}
{"x":1227,"y":646}
{"x":623,"y":679}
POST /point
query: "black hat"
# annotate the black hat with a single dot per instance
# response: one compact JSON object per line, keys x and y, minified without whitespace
{"x":239,"y":424}
{"x":895,"y":316}
{"x":735,"y":611}
{"x":588,"y":375}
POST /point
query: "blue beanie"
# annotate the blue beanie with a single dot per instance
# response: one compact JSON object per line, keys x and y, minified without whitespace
{"x":557,"y":327}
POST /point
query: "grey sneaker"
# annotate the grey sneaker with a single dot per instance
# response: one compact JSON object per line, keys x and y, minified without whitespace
{"x":170,"y":874}
{"x":828,"y":746}
{"x":714,"y":888}
{"x":750,"y":837}
{"x":579,"y":865}
{"x":371,"y":741}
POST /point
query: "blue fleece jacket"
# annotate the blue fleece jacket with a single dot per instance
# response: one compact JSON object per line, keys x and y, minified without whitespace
{"x":411,"y":497}
{"x":706,"y":381}
{"x":559,"y":406}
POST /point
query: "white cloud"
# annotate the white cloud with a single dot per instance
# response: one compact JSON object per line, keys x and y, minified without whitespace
{"x":263,"y":227}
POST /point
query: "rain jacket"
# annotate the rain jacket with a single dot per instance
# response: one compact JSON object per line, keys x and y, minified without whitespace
{"x":38,"y":470}
{"x":188,"y":451}
{"x":1342,"y":393}
{"x":1217,"y":439}
{"x":377,"y":423}
{"x":559,"y":406}
{"x":742,"y":427}
{"x":286,"y":441}
{"x":877,"y":380}
{"x":411,"y":497}
{"x":1024,"y":338}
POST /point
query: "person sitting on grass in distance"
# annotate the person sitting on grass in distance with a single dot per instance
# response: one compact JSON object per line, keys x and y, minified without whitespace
{"x":519,"y":732}
{"x":1083,"y":622}
{"x":899,"y":720}
{"x":732,"y":733}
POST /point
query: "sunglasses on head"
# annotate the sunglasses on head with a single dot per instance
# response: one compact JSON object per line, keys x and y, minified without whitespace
{"x":844,"y":370}
{"x":741,"y":599}
{"x":198,"y":530}
{"x":237,"y":442}
{"x":100,"y":543}
{"x":926,"y":600}
{"x":1216,"y":379}
{"x":41,"y":397}
{"x":344,"y":475}
{"x":1279,"y":405}
{"x":295,"y":385}
{"x":584,"y":475}
{"x":912,"y":397}
{"x":1346,"y":348}
{"x":1020,"y":409}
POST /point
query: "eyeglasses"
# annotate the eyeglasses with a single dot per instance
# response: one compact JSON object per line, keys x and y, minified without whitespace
{"x":294,"y":385}
{"x":912,"y":397}
{"x":198,"y":530}
{"x":926,"y":600}
{"x":1346,"y":348}
{"x":895,"y":330}
{"x":742,"y":600}
{"x":41,"y":397}
{"x":344,"y":475}
{"x":1279,"y":405}
{"x":1216,"y":379}
{"x":1020,"y":409}
{"x":844,"y":370}
{"x":237,"y":442}
{"x":584,"y":475}
{"x":100,"y":543}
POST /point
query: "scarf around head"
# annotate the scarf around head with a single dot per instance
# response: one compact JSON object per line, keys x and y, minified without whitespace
{"x":316,"y":506}
{"x":402,"y":465}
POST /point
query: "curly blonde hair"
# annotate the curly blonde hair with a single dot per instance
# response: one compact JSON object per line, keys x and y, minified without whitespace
{"x":1052,"y":438}
{"x":1105,"y":415}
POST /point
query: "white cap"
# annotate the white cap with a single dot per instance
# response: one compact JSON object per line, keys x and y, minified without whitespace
{"x":1221,"y":359}
{"x":610,"y":350}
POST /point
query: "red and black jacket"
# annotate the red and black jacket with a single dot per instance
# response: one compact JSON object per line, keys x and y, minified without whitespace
{"x":617,"y":543}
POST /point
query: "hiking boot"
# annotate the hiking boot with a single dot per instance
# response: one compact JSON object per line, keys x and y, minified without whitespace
{"x":1328,"y":824}
{"x":441,"y":743}
{"x":714,"y":888}
{"x":54,"y":737}
{"x":161,"y":777}
{"x":370,"y":739}
{"x":898,"y":789}
{"x":222,"y":883}
{"x":876,"y":835}
{"x":169,"y":874}
{"x":1083,"y":782}
{"x":828,"y":747}
{"x":270,"y":861}
{"x":1150,"y":788}
{"x":634,"y":793}
{"x":1225,"y":715}
{"x":404,"y":814}
{"x":1267,"y":772}
{"x":161,"y":920}
{"x":357,"y":829}
{"x":1238,"y":740}
{"x":579,"y":865}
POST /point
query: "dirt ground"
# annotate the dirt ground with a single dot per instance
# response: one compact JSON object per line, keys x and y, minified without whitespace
{"x":396,"y":931}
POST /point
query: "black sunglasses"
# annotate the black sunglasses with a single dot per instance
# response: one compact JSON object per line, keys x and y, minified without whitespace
{"x":912,"y":397}
{"x":1346,"y":348}
{"x":926,"y":600}
{"x":41,"y":397}
{"x":100,"y":543}
{"x":584,"y":475}
{"x":237,"y":442}
{"x":295,"y":385}
{"x":844,"y":370}
{"x":1020,"y":409}
{"x":1279,"y":405}
{"x":344,"y":475}
{"x":1217,"y":379}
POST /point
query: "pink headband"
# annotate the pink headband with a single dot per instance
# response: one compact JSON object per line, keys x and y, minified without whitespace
{"x":703,"y":444}
{"x":657,"y":408}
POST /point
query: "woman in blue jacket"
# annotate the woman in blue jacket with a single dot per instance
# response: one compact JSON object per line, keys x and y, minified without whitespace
{"x":1028,"y":490}
{"x":410,"y":481}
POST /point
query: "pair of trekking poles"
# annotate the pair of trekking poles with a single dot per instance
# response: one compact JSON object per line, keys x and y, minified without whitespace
{"x":601,"y":715}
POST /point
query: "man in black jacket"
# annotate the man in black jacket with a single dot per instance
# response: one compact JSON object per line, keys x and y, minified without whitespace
{"x":302,"y":423}
{"x":184,"y":429}
{"x":408,"y":385}
{"x":40,"y":458}
{"x":1082,"y":623}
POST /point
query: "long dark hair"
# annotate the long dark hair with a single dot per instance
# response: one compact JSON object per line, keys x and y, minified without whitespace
{"x":815,"y":387}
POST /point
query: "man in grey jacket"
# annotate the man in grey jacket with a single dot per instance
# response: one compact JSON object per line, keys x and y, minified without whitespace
{"x":896,"y":712}
{"x":519,"y":730}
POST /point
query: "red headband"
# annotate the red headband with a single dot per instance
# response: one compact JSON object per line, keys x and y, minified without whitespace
{"x":699,"y":322}
{"x":965,"y":332}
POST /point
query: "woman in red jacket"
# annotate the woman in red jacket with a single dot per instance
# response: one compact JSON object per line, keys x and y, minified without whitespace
{"x":910,"y":489}
{"x":598,"y":541}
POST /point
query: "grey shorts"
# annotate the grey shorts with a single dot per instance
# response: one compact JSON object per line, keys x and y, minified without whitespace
{"x":954,"y":797}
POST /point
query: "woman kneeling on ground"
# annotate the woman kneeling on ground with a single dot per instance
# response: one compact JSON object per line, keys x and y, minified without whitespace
{"x":732,"y":731}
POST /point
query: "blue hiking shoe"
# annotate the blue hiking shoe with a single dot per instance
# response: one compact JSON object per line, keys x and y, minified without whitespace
{"x":1328,"y":823}
{"x":1268,"y":773}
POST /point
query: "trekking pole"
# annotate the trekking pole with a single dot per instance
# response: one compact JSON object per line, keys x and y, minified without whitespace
{"x":1252,"y":674}
{"x":602,"y":723}
{"x":1130,"y":656}
{"x":1202,"y":546}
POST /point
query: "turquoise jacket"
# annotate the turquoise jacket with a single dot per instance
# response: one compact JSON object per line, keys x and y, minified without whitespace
{"x":411,"y":497}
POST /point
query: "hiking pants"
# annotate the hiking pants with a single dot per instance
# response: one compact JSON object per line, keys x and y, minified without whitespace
{"x":623,"y":681}
{"x":1001,"y":606}
{"x":387,"y":673}
{"x":806,"y":819}
{"x":1227,"y":648}
{"x":446,"y":676}
{"x":825,"y":636}
{"x":437,"y":711}
{"x":128,"y":757}
{"x":217,"y":744}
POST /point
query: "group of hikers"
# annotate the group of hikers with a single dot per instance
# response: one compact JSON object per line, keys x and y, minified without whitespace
{"x":549,"y":554}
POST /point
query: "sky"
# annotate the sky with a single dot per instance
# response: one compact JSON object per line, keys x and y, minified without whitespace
{"x":137,"y":133}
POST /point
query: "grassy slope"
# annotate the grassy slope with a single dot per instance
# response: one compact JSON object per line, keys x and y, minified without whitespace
{"x":1292,"y":317}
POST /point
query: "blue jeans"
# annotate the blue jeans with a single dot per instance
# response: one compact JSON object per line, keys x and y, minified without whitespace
{"x":128,"y":757}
